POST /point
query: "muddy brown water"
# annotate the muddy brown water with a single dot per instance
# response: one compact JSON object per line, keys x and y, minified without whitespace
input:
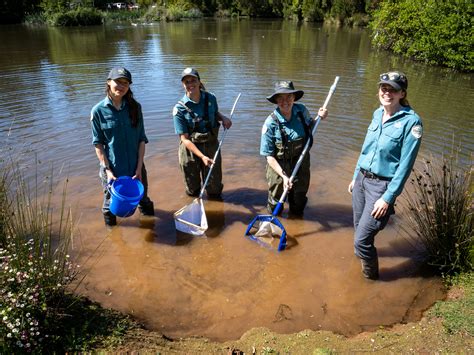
{"x":223,"y":284}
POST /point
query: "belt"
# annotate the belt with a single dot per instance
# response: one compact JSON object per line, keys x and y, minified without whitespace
{"x":370,"y":175}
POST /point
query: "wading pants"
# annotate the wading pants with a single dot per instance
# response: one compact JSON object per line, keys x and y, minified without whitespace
{"x":297,"y":195}
{"x":195,"y":172}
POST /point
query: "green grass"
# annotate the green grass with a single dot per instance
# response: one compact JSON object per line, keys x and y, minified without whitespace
{"x":458,"y":313}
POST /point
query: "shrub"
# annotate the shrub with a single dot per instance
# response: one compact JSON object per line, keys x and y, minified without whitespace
{"x":440,"y":215}
{"x":82,"y":16}
{"x":433,"y":31}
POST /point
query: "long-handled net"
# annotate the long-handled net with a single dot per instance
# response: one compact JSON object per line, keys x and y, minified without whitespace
{"x":265,"y":228}
{"x":192,"y":218}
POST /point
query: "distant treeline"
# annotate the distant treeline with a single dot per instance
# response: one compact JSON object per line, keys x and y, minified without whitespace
{"x":433,"y":31}
{"x":309,"y":10}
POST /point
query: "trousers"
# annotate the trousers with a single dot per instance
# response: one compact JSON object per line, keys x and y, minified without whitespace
{"x":364,"y":195}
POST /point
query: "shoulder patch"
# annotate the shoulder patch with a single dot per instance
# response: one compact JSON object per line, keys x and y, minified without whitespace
{"x":417,"y":131}
{"x":92,"y":116}
{"x":264,"y":129}
{"x":175,"y":111}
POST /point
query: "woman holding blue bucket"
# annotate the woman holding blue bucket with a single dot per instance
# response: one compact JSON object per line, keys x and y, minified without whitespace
{"x":118,"y":135}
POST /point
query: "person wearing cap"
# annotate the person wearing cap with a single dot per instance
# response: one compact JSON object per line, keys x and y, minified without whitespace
{"x":385,"y":162}
{"x":118,"y":135}
{"x":197,"y":120}
{"x":284,"y":135}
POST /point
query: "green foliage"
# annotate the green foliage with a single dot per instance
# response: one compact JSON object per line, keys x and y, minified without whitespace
{"x":343,"y":9}
{"x":82,"y":16}
{"x":433,"y":31}
{"x":314,"y":10}
{"x":441,"y":216}
{"x":123,"y":15}
{"x":458,"y":313}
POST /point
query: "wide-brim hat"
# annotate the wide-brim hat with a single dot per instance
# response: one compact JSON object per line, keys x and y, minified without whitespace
{"x":190,"y":72}
{"x":395,"y":79}
{"x":285,"y":87}
{"x":119,"y":73}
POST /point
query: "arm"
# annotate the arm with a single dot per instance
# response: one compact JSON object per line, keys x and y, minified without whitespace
{"x":141,"y":155}
{"x":226,"y":122}
{"x":103,"y":161}
{"x":410,"y":147}
{"x":195,"y":150}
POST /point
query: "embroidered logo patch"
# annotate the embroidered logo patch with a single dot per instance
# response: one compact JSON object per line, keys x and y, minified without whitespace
{"x":264,"y":129}
{"x":187,"y":70}
{"x":92,"y":117}
{"x":398,"y":125}
{"x":417,"y":131}
{"x":175,"y":111}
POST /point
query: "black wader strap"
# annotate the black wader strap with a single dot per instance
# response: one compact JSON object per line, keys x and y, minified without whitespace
{"x":195,"y":117}
{"x":284,"y":136}
{"x":307,"y":131}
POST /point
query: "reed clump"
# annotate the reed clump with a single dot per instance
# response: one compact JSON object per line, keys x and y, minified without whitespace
{"x":39,"y":310}
{"x":440,"y":214}
{"x":36,"y":267}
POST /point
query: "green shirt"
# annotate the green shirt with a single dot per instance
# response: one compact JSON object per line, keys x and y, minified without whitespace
{"x":113,"y":129}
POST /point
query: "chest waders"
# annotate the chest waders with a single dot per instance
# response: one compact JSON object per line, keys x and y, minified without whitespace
{"x":287,"y":154}
{"x":264,"y":228}
{"x":192,"y":167}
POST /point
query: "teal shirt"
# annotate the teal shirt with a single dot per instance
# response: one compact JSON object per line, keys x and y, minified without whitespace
{"x":390,"y":149}
{"x":184,"y":122}
{"x":113,"y":129}
{"x":293,"y":128}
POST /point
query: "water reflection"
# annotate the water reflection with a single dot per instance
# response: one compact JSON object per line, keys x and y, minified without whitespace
{"x":221,"y":285}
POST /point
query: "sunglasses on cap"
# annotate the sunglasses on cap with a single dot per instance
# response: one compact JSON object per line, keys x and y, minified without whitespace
{"x":393,"y":76}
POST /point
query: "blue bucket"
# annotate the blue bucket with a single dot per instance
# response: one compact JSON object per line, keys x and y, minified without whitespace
{"x":125,"y":193}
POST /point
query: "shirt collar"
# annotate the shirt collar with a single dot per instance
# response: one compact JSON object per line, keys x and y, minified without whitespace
{"x":108,"y":102}
{"x":186,"y":99}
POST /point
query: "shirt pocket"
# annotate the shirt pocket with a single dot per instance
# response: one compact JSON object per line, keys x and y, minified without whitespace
{"x":108,"y":126}
{"x":393,"y":135}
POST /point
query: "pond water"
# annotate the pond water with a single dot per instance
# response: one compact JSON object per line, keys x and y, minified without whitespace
{"x":223,"y":284}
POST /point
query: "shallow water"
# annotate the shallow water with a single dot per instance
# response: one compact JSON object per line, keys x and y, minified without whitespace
{"x":222,"y":284}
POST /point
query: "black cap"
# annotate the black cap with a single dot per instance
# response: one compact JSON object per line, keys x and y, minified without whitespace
{"x":118,"y":73}
{"x":190,"y":72}
{"x":285,"y":87}
{"x":395,"y":79}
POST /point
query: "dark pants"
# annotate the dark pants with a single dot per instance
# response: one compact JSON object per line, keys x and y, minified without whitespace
{"x":144,"y":204}
{"x":195,"y":172}
{"x":364,"y":195}
{"x":297,"y":195}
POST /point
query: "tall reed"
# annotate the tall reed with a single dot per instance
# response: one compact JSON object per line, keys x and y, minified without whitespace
{"x":36,"y":268}
{"x":440,"y":214}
